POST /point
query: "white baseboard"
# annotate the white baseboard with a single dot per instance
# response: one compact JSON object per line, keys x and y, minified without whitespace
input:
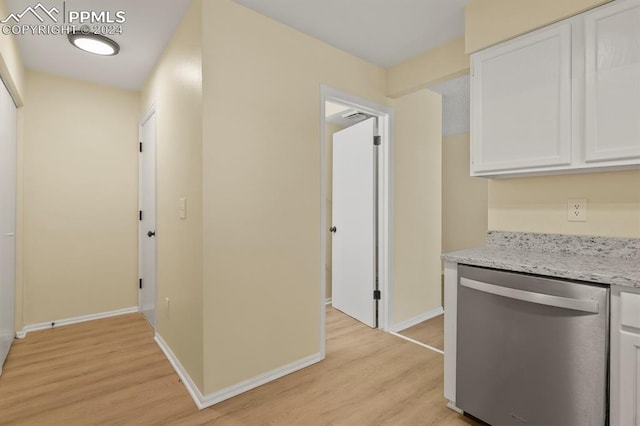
{"x":193,"y":390}
{"x":328,"y":301}
{"x":424,"y":345}
{"x":451,"y":405}
{"x":68,"y":321}
{"x":244,"y":386}
{"x":417,"y":319}
{"x":204,"y":401}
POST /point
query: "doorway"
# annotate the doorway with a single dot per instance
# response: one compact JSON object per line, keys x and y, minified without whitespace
{"x":354,"y":242}
{"x":348,"y":115}
{"x":147,"y":218}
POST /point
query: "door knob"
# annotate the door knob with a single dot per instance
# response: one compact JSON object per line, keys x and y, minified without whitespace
{"x":333,"y":229}
{"x":151,"y":234}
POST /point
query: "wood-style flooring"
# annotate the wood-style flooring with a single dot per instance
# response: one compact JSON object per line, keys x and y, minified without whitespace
{"x":112,"y":372}
{"x":429,"y":332}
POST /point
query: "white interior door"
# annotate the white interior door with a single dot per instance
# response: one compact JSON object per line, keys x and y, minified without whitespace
{"x":354,"y":222}
{"x":147,"y":227}
{"x":7,"y":221}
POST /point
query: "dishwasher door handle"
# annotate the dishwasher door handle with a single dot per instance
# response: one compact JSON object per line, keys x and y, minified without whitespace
{"x":583,"y":305}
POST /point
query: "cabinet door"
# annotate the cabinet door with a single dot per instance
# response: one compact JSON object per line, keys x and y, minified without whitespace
{"x":613,"y":82}
{"x":521,"y":103}
{"x":629,"y":393}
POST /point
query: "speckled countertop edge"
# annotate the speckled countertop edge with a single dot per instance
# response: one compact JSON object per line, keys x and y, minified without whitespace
{"x":542,"y":258}
{"x":585,"y":245}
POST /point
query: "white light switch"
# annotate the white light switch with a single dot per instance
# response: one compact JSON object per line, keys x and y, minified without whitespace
{"x":577,"y":210}
{"x":182,"y":208}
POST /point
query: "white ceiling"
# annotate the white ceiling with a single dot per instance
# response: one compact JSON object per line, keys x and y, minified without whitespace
{"x":148,"y":27}
{"x":383,"y":32}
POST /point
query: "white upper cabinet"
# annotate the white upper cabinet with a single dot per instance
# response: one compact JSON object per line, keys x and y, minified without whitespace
{"x":521,"y":102}
{"x":565,"y":98}
{"x":613,"y":82}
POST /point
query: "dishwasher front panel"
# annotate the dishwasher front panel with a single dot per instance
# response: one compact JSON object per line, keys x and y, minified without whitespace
{"x":531,"y":350}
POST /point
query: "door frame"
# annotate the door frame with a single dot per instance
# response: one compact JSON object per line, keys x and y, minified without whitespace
{"x":385,"y":197}
{"x":150,"y":112}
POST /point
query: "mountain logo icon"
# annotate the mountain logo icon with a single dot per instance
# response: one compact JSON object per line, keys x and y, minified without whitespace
{"x":38,"y":11}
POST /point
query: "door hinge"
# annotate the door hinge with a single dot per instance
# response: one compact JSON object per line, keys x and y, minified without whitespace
{"x":377,"y":140}
{"x":140,"y":146}
{"x":140,"y":283}
{"x":140,"y":215}
{"x":376,"y":295}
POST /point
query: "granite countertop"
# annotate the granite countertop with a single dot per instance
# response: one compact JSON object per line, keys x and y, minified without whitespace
{"x":614,"y":261}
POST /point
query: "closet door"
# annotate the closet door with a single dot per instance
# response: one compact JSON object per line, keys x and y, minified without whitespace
{"x":7,"y":220}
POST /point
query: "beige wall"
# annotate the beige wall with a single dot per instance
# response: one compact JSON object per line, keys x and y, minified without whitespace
{"x":437,"y":65}
{"x":176,"y":89}
{"x":539,"y":204}
{"x":464,"y":198}
{"x":80,"y":198}
{"x":417,"y":205}
{"x":488,"y":22}
{"x":261,"y":189}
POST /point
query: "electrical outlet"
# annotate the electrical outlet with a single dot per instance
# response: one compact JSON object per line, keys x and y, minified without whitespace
{"x":577,"y":210}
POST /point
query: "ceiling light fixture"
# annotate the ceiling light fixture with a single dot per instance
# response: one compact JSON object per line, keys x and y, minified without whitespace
{"x":94,"y":43}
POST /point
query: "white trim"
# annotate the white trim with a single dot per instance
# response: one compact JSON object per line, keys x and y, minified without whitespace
{"x":424,"y":345}
{"x":450,"y":329}
{"x":451,"y":406}
{"x":254,"y":382}
{"x":74,"y":320}
{"x":328,"y":301}
{"x":385,"y":217}
{"x":204,"y":401}
{"x":417,"y":320}
{"x":193,"y":390}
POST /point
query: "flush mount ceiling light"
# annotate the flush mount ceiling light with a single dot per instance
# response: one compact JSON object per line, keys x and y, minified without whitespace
{"x":94,"y":43}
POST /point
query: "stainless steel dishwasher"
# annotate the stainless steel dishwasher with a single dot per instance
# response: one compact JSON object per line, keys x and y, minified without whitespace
{"x":531,"y":350}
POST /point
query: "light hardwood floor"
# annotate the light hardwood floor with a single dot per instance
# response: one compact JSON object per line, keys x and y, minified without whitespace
{"x":429,"y":332}
{"x":111,"y":372}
